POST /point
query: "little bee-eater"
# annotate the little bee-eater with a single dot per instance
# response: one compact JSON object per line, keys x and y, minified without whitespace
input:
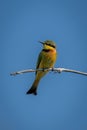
{"x":46,"y":59}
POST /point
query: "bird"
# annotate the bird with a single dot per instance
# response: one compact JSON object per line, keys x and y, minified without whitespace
{"x":46,"y":59}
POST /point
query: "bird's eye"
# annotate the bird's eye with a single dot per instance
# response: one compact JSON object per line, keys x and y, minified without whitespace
{"x":46,"y":43}
{"x":50,"y":45}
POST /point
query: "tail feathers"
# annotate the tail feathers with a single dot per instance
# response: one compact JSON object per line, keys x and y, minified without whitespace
{"x":33,"y":89}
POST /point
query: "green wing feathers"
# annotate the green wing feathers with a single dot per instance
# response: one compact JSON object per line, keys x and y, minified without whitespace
{"x":38,"y":61}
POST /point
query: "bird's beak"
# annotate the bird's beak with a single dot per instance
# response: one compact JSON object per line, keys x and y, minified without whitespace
{"x":41,"y":42}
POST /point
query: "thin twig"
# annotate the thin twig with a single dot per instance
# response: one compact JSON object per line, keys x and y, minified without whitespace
{"x":59,"y":70}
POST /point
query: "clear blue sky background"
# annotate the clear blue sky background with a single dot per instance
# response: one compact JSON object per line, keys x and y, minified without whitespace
{"x":61,"y":103}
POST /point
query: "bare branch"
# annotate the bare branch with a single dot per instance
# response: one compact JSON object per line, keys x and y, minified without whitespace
{"x":59,"y":70}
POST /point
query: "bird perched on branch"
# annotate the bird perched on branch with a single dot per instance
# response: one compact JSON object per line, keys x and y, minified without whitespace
{"x":46,"y":59}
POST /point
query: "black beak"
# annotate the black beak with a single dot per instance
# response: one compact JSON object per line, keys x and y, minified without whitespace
{"x":41,"y":42}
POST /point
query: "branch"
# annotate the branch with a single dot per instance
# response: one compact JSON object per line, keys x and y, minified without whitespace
{"x":59,"y":70}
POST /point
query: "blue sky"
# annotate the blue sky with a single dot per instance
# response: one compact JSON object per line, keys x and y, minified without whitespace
{"x":61,"y":103}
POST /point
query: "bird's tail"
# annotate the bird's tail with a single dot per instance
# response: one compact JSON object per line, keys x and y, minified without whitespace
{"x":33,"y":89}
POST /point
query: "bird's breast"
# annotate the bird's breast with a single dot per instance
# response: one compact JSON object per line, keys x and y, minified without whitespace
{"x":48,"y":59}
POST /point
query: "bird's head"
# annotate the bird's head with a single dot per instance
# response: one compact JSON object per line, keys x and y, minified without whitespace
{"x":48,"y":44}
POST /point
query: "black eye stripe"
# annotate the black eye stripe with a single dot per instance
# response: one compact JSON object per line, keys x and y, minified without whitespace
{"x":50,"y":45}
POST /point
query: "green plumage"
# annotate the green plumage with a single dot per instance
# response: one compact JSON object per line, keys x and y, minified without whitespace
{"x":46,"y":59}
